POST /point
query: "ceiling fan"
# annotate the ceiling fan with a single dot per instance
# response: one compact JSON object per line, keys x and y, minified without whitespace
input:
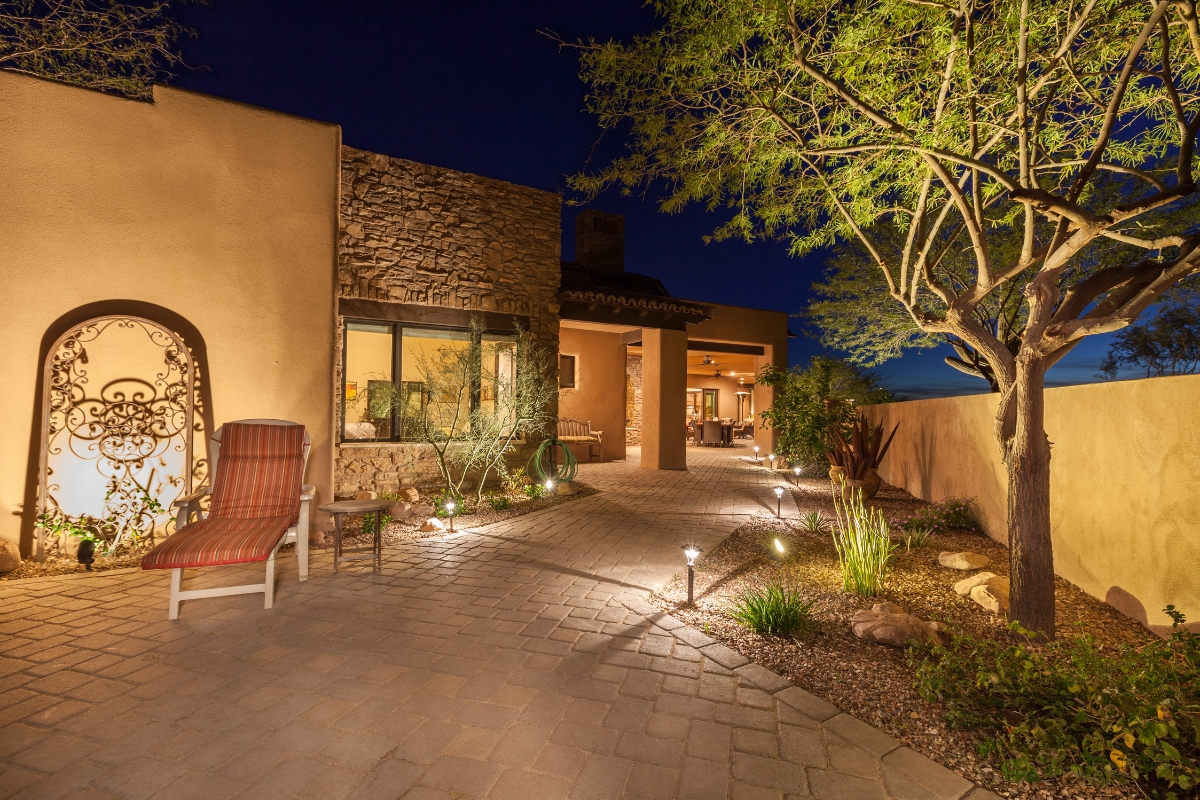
{"x":708,"y":362}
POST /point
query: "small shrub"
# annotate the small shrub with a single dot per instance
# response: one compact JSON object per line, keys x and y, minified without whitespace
{"x":774,"y":610}
{"x":916,"y":537}
{"x":864,"y":544}
{"x":442,"y":496}
{"x":534,"y":490}
{"x":814,"y":522}
{"x":1071,"y":708}
{"x":499,"y":502}
{"x":516,"y":481}
{"x":951,"y":513}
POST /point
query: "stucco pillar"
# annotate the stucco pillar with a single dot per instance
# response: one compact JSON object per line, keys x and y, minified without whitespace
{"x":764,"y":396}
{"x":664,"y":399}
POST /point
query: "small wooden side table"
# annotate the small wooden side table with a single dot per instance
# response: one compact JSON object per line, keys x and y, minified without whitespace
{"x":342,"y":508}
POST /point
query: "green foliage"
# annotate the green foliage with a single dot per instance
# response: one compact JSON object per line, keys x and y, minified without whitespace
{"x":814,"y":522}
{"x":916,"y":537}
{"x":534,"y":490}
{"x":515,"y":481}
{"x":443,"y":496}
{"x":498,"y":502}
{"x":948,"y":514}
{"x":810,"y":402}
{"x":1166,"y":344}
{"x":121,"y":48}
{"x":863,"y":541}
{"x":1075,"y":708}
{"x":774,"y":610}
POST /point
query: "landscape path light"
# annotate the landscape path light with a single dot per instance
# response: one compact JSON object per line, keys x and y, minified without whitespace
{"x":691,"y":552}
{"x":450,"y":511}
{"x":778,"y":501}
{"x":797,"y":478}
{"x":549,"y":486}
{"x":756,"y":458}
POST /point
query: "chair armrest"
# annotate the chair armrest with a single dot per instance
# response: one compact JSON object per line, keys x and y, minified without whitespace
{"x":187,"y":500}
{"x":308,"y":492}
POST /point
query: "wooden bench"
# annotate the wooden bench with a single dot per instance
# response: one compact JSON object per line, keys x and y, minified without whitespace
{"x":572,"y":431}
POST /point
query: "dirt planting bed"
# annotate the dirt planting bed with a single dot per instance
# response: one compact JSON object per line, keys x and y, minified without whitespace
{"x":870,"y":681}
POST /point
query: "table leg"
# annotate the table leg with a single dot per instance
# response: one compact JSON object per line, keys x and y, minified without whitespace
{"x":337,"y":541}
{"x":378,"y":540}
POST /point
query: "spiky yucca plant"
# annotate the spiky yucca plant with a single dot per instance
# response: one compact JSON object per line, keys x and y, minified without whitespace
{"x":863,"y":541}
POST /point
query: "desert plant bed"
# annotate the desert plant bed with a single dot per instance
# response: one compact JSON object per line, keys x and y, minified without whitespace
{"x":393,"y":533}
{"x":870,"y":681}
{"x":410,"y":529}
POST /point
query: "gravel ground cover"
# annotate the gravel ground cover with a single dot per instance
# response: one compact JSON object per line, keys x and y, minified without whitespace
{"x":393,"y":532}
{"x":870,"y":681}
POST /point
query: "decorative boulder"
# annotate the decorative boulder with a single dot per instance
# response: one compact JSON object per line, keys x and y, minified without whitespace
{"x":423,"y":510}
{"x":963,"y":588}
{"x":399,"y":511}
{"x":410,"y":494}
{"x":993,"y":596}
{"x":565,"y":489}
{"x":365,"y":495}
{"x":316,"y":538}
{"x":887,"y":624}
{"x":432,"y":524}
{"x":963,"y":561}
{"x":10,"y":556}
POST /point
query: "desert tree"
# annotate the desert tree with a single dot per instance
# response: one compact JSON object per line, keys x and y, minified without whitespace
{"x":918,"y":129}
{"x":476,"y":399}
{"x":115,"y":47}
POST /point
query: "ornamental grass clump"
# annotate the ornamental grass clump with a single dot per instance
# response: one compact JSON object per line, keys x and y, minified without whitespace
{"x":774,"y":610}
{"x":814,"y":522}
{"x":863,"y":541}
{"x":1074,"y":708}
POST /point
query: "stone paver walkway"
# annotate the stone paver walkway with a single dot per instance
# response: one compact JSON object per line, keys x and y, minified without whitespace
{"x":514,"y":661}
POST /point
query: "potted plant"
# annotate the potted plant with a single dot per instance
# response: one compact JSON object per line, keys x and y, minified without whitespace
{"x":856,"y":457}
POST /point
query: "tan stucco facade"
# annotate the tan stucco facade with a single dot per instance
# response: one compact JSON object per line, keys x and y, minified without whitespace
{"x":219,"y":216}
{"x":599,"y":393}
{"x":1125,"y":457}
{"x":664,"y":383}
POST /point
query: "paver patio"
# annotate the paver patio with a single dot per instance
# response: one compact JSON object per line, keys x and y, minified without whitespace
{"x":518,"y":660}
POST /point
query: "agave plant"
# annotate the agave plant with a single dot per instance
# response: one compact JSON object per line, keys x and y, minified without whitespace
{"x":864,"y":450}
{"x":814,"y":522}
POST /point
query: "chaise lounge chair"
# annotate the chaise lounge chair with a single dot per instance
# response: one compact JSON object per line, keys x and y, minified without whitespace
{"x":258,"y":503}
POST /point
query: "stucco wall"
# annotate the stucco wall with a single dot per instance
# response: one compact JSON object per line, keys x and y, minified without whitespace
{"x":599,"y":393}
{"x":417,"y":234}
{"x":221,"y":213}
{"x":1124,"y":462}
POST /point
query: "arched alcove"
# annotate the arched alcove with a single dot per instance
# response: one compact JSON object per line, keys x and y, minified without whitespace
{"x":121,"y":423}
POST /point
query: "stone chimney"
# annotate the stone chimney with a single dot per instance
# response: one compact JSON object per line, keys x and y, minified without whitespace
{"x":600,"y":241}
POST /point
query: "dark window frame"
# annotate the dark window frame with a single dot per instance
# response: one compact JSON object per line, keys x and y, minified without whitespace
{"x":397,"y":435}
{"x":574,"y":372}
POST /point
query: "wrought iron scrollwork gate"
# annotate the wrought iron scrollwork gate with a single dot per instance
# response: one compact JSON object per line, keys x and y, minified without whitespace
{"x":117,"y":424}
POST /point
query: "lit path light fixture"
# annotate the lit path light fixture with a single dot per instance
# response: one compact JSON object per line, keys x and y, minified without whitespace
{"x":549,"y":486}
{"x":771,"y":458}
{"x":757,"y":460}
{"x":450,"y":511}
{"x":778,"y":501}
{"x":796,"y":480}
{"x":691,"y":552}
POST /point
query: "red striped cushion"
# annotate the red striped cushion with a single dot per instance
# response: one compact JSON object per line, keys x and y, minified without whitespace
{"x":212,"y":542}
{"x":259,"y":472}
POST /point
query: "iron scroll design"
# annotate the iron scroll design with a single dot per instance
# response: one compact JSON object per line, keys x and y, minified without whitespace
{"x":128,"y":423}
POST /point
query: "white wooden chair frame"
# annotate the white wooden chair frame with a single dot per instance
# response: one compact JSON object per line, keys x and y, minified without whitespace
{"x":298,"y":533}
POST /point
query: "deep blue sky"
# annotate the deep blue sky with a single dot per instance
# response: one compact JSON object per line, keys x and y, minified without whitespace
{"x":475,"y":87}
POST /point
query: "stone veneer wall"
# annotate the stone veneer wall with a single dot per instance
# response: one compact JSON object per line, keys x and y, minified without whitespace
{"x":417,"y":234}
{"x":633,"y":400}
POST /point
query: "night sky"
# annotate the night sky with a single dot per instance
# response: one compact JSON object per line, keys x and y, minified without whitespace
{"x":475,"y":87}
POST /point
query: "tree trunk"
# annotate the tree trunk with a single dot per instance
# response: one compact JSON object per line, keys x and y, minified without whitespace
{"x":1031,"y":552}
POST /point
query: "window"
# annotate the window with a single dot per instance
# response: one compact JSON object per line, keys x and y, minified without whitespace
{"x":566,"y":372}
{"x":710,"y":403}
{"x":441,"y":379}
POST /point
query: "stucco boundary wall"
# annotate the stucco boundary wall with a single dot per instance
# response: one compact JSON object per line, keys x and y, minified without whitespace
{"x":1125,"y":459}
